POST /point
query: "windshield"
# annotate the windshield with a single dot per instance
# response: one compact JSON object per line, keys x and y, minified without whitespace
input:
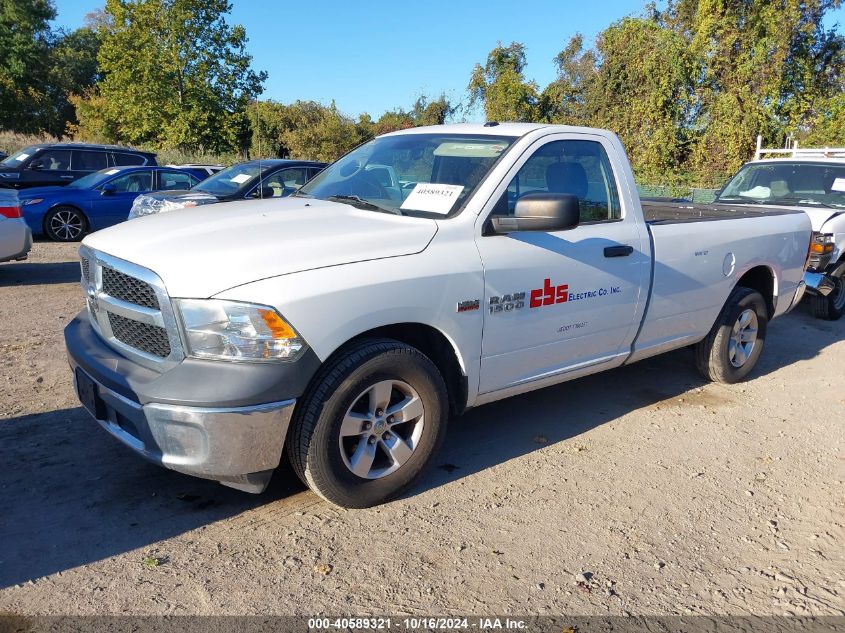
{"x":19,"y":158}
{"x":410,"y":173}
{"x":788,"y":183}
{"x":230,"y":180}
{"x":92,"y":180}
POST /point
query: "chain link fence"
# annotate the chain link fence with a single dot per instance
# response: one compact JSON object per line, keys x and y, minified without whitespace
{"x":681,"y":194}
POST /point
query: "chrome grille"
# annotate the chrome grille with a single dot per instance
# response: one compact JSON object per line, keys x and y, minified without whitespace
{"x":147,"y":338}
{"x":130,"y":310}
{"x":121,"y":286}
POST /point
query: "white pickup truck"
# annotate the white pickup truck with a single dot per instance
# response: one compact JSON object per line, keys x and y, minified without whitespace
{"x":813,"y":181}
{"x":347,"y":323}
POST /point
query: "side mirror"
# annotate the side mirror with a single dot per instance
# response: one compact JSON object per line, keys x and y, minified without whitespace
{"x":36,"y":165}
{"x":107,"y":190}
{"x":540,"y":212}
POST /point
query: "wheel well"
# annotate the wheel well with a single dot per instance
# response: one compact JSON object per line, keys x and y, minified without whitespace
{"x":437,"y":347}
{"x":59,"y":206}
{"x":761,"y":279}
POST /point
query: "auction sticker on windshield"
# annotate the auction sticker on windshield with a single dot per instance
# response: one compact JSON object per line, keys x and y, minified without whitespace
{"x":432,"y":198}
{"x":241,"y":178}
{"x":838,"y":185}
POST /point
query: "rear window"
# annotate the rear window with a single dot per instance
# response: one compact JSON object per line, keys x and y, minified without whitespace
{"x":122,"y":159}
{"x":89,"y":161}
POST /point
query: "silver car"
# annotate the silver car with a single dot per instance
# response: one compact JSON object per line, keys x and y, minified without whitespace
{"x":15,"y":235}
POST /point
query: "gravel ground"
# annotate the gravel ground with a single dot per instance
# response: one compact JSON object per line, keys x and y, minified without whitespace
{"x":668,"y":495}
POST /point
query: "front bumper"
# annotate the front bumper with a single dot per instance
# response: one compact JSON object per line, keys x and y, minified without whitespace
{"x":211,"y":419}
{"x":819,"y":283}
{"x":239,"y":447}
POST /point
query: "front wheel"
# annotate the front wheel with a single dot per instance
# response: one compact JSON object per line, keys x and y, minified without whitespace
{"x":734,"y":344}
{"x":831,"y":307}
{"x":65,"y":224}
{"x":371,"y":423}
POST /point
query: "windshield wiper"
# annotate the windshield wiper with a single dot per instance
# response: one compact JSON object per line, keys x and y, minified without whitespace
{"x":801,"y":199}
{"x":360,"y":203}
{"x":740,"y":200}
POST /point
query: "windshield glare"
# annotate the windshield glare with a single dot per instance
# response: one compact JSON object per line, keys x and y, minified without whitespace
{"x":392,"y":172}
{"x":18,"y":158}
{"x":793,"y":183}
{"x":229,"y":180}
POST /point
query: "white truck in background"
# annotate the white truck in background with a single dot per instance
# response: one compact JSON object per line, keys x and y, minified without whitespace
{"x":812,"y":180}
{"x":345,"y":324}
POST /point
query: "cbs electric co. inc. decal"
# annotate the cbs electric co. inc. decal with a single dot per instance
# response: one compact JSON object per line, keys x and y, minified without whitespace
{"x":546,"y":296}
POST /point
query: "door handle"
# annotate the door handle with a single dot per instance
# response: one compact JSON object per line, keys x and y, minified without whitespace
{"x":621,"y":250}
{"x":66,"y":177}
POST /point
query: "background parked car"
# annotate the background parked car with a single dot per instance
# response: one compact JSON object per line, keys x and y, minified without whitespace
{"x":98,"y":200}
{"x":15,"y":236}
{"x":256,"y":179}
{"x":62,"y":163}
{"x":3,"y":155}
{"x":200,"y":171}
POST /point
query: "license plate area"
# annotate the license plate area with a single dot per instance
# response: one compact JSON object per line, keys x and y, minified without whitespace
{"x":89,"y":396}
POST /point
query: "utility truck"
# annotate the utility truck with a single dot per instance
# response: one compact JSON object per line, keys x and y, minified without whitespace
{"x":346,"y":324}
{"x":812,"y":180}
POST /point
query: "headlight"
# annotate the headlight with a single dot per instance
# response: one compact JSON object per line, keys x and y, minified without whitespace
{"x":29,"y":201}
{"x":821,"y":250}
{"x":237,"y":331}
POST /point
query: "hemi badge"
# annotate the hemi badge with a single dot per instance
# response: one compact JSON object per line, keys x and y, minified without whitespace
{"x":469,"y":306}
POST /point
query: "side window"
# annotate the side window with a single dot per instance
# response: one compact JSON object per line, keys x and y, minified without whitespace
{"x":313,"y":171}
{"x":171,"y":180}
{"x":138,"y":181}
{"x":53,"y":160}
{"x":120,"y":159}
{"x":578,"y":168}
{"x":286,"y":181}
{"x":89,"y":161}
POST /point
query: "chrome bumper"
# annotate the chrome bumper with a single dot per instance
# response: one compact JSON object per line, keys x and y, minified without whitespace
{"x":239,"y":447}
{"x":819,"y":283}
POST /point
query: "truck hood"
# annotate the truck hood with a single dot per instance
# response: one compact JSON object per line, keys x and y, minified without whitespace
{"x":820,"y":216}
{"x":203,"y":251}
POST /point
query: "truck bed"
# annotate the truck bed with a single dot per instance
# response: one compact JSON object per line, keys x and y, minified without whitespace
{"x":665,"y":212}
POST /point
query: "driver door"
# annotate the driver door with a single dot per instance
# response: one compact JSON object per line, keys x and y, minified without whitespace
{"x":112,"y":207}
{"x":559,"y":301}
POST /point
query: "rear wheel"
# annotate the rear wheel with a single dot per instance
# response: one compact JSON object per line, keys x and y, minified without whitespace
{"x":371,"y":423}
{"x":65,"y":224}
{"x":731,"y":349}
{"x":831,"y":307}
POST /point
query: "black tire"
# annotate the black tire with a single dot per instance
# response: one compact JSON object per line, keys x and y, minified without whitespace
{"x":831,"y":307}
{"x":717,"y":357}
{"x":318,"y":452}
{"x":65,"y":224}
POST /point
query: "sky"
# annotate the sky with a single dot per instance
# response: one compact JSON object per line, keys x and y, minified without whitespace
{"x":373,"y":55}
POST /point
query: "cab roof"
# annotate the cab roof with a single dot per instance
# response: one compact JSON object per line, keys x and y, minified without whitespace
{"x":493,"y":128}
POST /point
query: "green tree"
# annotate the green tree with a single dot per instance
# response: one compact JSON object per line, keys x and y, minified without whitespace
{"x":73,"y":70}
{"x":24,"y":63}
{"x":764,"y":68}
{"x":175,"y":74}
{"x":647,"y":103}
{"x":500,"y":86}
{"x":566,"y":99}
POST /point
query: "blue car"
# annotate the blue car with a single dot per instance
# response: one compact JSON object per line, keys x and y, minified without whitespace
{"x":95,"y":201}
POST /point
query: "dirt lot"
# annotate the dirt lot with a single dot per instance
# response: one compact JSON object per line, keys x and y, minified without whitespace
{"x":674,"y":496}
